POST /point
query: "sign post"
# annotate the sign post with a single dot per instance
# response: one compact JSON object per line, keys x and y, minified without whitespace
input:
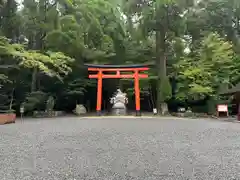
{"x":22,"y":110}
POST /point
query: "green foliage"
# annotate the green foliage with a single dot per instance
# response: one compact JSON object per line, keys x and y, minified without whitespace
{"x":3,"y":78}
{"x":52,"y":64}
{"x":4,"y":101}
{"x":235,"y":73}
{"x":77,"y":87}
{"x":6,"y":49}
{"x":211,"y":67}
{"x":143,"y":83}
{"x":35,"y":101}
{"x":193,"y":80}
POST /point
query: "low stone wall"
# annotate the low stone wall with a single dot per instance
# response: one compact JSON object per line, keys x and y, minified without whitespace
{"x":43,"y":114}
{"x":192,"y":115}
{"x":7,"y":118}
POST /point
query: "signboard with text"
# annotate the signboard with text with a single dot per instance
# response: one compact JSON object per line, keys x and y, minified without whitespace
{"x":222,"y":108}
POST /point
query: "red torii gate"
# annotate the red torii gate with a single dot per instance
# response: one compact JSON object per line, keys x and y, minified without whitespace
{"x":134,"y":72}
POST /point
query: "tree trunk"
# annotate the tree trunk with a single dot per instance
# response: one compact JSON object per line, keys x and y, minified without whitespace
{"x":40,"y":35}
{"x":34,"y":80}
{"x":12,"y":98}
{"x":162,"y":70}
{"x":56,"y":19}
{"x":130,"y":24}
{"x":151,"y":97}
{"x":161,"y":33}
{"x":8,"y":15}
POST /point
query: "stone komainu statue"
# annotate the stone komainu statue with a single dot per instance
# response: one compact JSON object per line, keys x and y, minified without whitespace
{"x":119,"y":101}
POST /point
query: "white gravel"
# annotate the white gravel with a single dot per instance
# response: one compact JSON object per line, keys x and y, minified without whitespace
{"x":116,"y":149}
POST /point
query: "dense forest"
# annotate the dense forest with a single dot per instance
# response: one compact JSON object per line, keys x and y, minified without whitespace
{"x":193,"y":46}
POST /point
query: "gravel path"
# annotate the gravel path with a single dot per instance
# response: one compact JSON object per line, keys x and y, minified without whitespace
{"x":114,"y":149}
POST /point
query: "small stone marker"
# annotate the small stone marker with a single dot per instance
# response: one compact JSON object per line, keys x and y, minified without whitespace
{"x":154,"y":111}
{"x":80,"y":109}
{"x":182,"y":109}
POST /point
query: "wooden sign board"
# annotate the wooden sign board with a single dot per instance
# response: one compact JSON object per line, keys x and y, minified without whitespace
{"x":222,"y":108}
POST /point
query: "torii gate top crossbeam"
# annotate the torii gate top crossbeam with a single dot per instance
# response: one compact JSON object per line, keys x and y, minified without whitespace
{"x":118,"y":69}
{"x":116,"y":66}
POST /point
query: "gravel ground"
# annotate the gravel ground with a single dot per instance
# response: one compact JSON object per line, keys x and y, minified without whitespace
{"x":114,"y":149}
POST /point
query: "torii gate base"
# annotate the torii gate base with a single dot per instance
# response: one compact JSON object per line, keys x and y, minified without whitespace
{"x":135,"y":74}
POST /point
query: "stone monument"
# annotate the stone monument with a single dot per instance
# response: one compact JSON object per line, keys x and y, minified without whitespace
{"x":119,"y":101}
{"x":80,"y":109}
